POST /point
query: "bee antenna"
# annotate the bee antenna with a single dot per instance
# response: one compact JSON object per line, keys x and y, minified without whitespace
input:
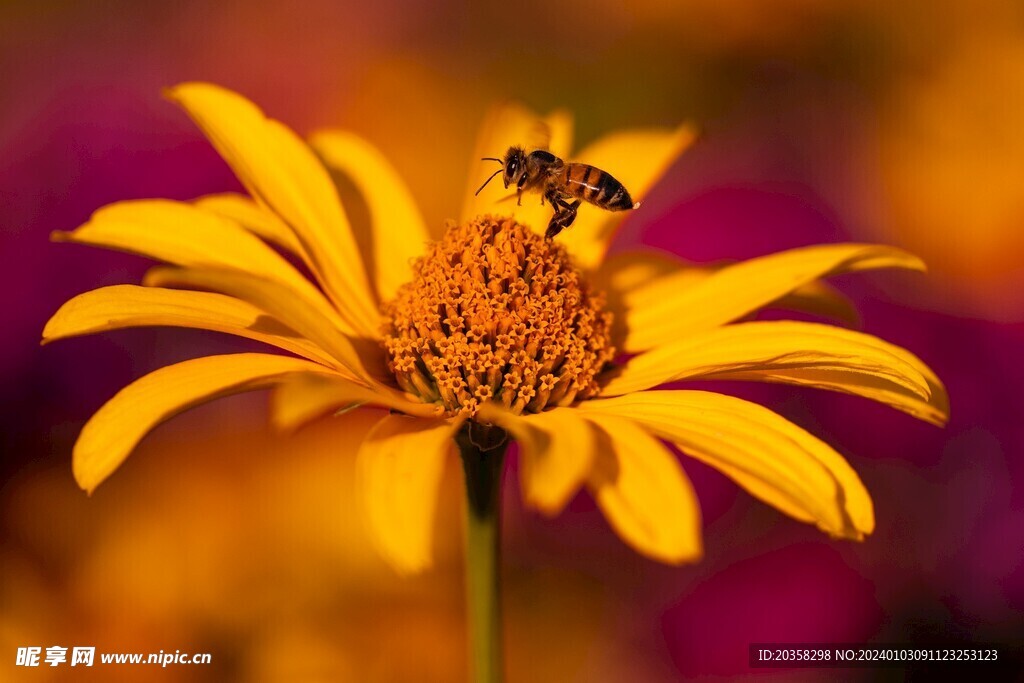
{"x":489,"y":180}
{"x":500,"y":161}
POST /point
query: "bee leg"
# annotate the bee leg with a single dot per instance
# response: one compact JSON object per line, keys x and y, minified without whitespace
{"x":551,"y":194}
{"x":565,"y":214}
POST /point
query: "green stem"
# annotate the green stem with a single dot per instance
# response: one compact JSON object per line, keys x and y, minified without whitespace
{"x":483,"y":453}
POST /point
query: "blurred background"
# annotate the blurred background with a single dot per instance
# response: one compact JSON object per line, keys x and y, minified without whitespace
{"x":821,"y":122}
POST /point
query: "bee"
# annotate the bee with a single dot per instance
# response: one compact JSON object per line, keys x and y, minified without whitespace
{"x":564,"y":185}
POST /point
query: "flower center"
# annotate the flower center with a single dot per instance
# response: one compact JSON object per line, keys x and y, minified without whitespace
{"x":495,"y":312}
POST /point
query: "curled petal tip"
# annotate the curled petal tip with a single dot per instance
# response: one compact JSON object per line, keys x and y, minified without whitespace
{"x":689,"y":558}
{"x":915,"y":262}
{"x":174,"y":92}
{"x":83,"y":482}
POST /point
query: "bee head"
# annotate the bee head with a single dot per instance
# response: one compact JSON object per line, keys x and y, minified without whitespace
{"x":515,"y":166}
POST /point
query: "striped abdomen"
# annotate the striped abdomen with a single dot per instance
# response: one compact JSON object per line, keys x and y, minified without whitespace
{"x":593,"y":185}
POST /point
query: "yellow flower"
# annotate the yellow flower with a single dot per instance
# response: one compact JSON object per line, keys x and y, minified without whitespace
{"x":489,"y":325}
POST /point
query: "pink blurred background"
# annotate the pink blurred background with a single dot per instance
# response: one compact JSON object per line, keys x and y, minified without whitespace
{"x":821,"y":122}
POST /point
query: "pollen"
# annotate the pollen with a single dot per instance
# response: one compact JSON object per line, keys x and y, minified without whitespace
{"x":494,"y":312}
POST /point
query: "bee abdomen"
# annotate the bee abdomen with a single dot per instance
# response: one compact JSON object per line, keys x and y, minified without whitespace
{"x":614,"y":195}
{"x":597,"y":187}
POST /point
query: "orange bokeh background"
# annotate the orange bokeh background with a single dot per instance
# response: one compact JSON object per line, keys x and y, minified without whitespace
{"x":820,"y":122}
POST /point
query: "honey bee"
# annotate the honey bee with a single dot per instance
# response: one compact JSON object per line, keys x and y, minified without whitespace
{"x":564,"y":185}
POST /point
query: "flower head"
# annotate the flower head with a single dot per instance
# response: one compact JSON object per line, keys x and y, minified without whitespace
{"x":496,"y":313}
{"x":491,"y":324}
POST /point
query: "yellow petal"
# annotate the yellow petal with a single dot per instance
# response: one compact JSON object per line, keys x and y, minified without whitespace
{"x":111,"y":434}
{"x":666,"y":312}
{"x":643,"y":492}
{"x":254,"y":218}
{"x":556,"y":453}
{"x":627,"y":278}
{"x":808,"y":354}
{"x":637,"y":159}
{"x":399,"y":469}
{"x":318,"y":324}
{"x":398,"y":232}
{"x":280,"y":171}
{"x":504,"y":126}
{"x":184,"y":235}
{"x":821,"y":298}
{"x":631,"y":271}
{"x":934,"y":410}
{"x":122,"y":306}
{"x":767,"y":455}
{"x":304,"y":398}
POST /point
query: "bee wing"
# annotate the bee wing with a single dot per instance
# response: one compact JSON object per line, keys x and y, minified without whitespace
{"x":560,"y":127}
{"x":539,"y":136}
{"x":553,"y":133}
